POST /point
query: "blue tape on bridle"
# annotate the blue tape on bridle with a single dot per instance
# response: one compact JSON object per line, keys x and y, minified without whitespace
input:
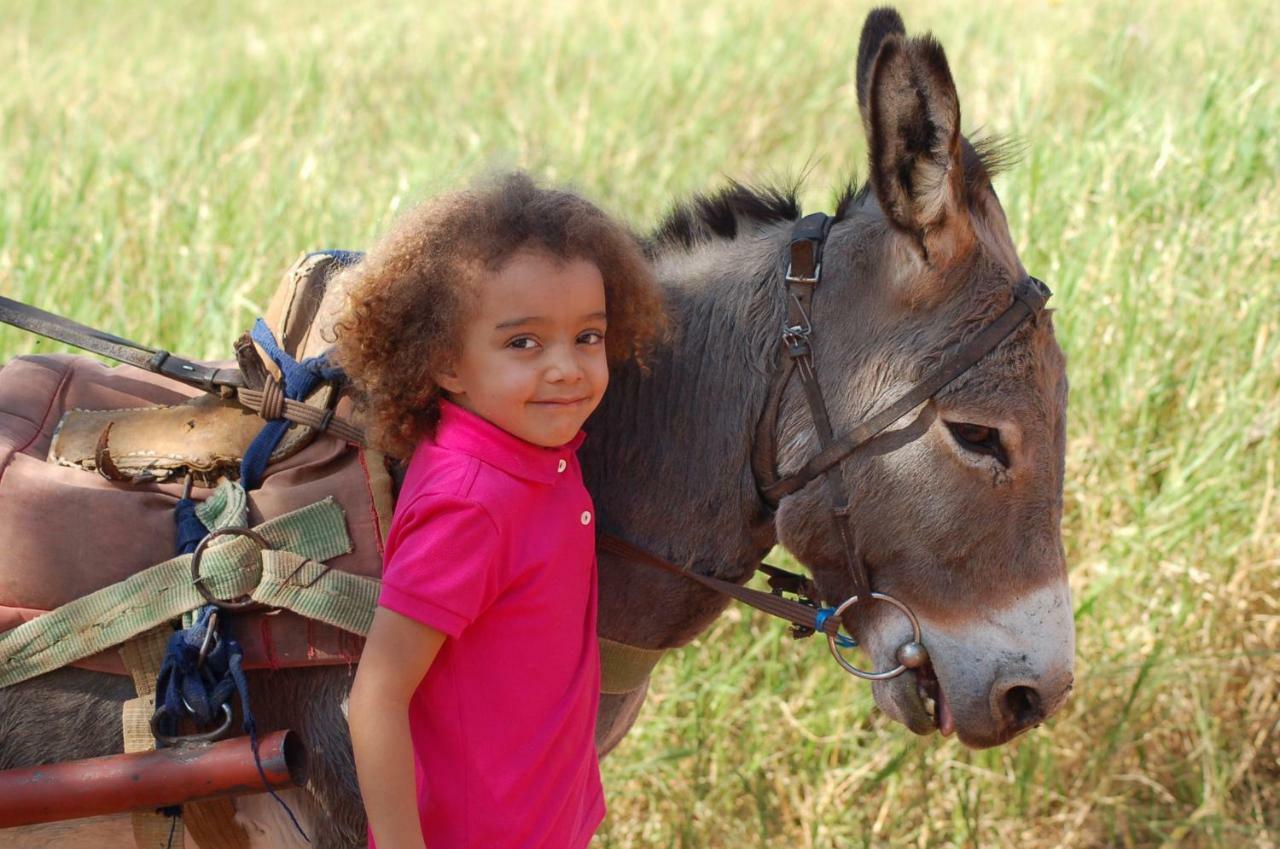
{"x":825,"y":613}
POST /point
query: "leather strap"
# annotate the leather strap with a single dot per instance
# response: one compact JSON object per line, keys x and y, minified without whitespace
{"x":1029,"y":297}
{"x":797,"y":613}
{"x":227,"y":382}
{"x":804,"y":273}
{"x":114,"y":347}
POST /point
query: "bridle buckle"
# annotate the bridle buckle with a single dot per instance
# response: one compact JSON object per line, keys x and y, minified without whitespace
{"x":811,"y":280}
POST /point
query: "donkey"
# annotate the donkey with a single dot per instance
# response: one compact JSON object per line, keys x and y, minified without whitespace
{"x":956,"y":509}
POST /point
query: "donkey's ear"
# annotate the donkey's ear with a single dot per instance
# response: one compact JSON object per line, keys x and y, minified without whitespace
{"x":913,"y":130}
{"x":881,"y":23}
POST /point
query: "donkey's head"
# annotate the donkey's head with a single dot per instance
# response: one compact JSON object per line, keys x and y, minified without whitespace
{"x":956,"y":509}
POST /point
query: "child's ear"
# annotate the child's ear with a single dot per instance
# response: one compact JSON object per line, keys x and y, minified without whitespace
{"x":448,"y":380}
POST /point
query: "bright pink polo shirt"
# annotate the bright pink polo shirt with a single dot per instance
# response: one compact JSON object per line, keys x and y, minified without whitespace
{"x":493,"y":543}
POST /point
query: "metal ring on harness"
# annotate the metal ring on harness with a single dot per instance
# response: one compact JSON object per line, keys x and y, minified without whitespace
{"x":198,"y":582}
{"x":205,"y":737}
{"x":910,"y":655}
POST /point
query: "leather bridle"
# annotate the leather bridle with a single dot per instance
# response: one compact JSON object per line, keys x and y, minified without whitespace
{"x":803,"y":275}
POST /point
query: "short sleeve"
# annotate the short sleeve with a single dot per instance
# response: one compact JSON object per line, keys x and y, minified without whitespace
{"x":441,"y":562}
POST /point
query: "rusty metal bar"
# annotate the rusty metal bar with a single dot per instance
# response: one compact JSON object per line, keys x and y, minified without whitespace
{"x":148,"y":780}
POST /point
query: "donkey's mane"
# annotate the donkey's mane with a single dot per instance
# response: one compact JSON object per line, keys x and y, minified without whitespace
{"x":719,"y":215}
{"x":706,"y":217}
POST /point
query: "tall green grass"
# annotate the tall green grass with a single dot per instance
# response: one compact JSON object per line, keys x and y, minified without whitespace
{"x":160,"y":166}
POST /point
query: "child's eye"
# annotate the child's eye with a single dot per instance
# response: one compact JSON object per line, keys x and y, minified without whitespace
{"x":523,"y":343}
{"x":591,"y":337}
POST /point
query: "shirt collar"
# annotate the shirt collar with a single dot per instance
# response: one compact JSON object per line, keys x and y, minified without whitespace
{"x":459,"y":429}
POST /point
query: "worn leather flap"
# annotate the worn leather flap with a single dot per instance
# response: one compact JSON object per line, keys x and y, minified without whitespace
{"x":291,"y":315}
{"x":205,"y":434}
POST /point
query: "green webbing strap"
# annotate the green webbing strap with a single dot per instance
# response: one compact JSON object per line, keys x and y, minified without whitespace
{"x":317,"y":592}
{"x":230,"y":569}
{"x":226,"y":507}
{"x":625,"y":668}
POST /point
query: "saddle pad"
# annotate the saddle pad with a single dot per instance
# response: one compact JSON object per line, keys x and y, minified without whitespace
{"x":67,"y":532}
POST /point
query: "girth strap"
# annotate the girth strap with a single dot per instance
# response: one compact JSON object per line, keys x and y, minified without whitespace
{"x":291,"y":575}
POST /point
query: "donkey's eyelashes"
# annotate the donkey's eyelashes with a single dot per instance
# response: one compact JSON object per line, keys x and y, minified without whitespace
{"x":979,"y":439}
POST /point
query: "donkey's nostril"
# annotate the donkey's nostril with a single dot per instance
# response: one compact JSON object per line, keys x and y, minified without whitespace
{"x":1022,"y":706}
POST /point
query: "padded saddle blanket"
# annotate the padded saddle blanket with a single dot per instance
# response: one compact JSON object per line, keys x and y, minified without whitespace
{"x":66,"y":532}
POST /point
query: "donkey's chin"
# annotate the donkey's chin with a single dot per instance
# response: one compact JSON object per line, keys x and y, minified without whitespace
{"x":928,"y":699}
{"x":901,"y":700}
{"x":916,"y":700}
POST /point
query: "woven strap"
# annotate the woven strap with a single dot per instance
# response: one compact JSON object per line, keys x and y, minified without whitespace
{"x":165,"y":591}
{"x":316,"y":591}
{"x":625,"y":668}
{"x":142,"y":656}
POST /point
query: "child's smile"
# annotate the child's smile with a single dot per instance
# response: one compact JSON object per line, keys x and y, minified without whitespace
{"x":533,"y":354}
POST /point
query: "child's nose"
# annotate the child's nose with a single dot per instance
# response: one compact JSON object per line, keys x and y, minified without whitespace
{"x":565,"y":366}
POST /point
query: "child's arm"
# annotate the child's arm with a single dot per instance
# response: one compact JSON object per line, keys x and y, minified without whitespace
{"x":396,"y":656}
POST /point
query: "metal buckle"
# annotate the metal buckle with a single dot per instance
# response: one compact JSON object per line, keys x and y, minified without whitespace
{"x":817,"y":275}
{"x":796,"y":336}
{"x":910,"y":655}
{"x":198,"y":582}
{"x":211,"y":639}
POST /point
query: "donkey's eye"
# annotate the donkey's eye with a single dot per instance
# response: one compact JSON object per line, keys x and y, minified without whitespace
{"x":979,"y":439}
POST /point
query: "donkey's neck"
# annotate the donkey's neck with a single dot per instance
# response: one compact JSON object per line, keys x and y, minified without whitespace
{"x":668,"y":457}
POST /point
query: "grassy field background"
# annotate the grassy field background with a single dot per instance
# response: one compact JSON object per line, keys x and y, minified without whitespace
{"x":161,"y":166}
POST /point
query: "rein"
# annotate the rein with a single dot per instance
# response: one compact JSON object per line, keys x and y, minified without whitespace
{"x":803,"y":275}
{"x":267,"y":399}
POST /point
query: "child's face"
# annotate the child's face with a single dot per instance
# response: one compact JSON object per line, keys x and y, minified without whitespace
{"x":533,"y":354}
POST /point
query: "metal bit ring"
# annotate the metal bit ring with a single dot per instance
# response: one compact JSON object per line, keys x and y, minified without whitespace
{"x":877,"y":676}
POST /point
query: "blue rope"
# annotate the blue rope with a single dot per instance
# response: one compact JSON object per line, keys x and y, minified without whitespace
{"x":299,"y":379}
{"x":187,"y":687}
{"x":190,"y":529}
{"x":825,"y":613}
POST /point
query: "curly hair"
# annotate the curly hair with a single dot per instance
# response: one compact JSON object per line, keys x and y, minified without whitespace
{"x":411,"y":296}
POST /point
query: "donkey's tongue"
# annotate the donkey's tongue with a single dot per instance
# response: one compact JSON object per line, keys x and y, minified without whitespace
{"x":946,"y":722}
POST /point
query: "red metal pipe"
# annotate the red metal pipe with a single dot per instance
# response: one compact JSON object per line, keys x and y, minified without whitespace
{"x":148,"y":780}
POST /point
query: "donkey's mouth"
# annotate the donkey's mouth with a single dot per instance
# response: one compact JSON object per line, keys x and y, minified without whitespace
{"x":934,"y":700}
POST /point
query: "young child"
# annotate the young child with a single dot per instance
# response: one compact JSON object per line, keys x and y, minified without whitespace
{"x":480,"y":334}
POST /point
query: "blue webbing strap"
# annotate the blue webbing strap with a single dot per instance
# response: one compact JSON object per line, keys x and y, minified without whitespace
{"x":200,"y":690}
{"x":299,"y":379}
{"x":190,"y":529}
{"x":186,"y":686}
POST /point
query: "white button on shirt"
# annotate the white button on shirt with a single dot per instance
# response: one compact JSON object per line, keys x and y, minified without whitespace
{"x":562,"y":466}
{"x":586,"y":517}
